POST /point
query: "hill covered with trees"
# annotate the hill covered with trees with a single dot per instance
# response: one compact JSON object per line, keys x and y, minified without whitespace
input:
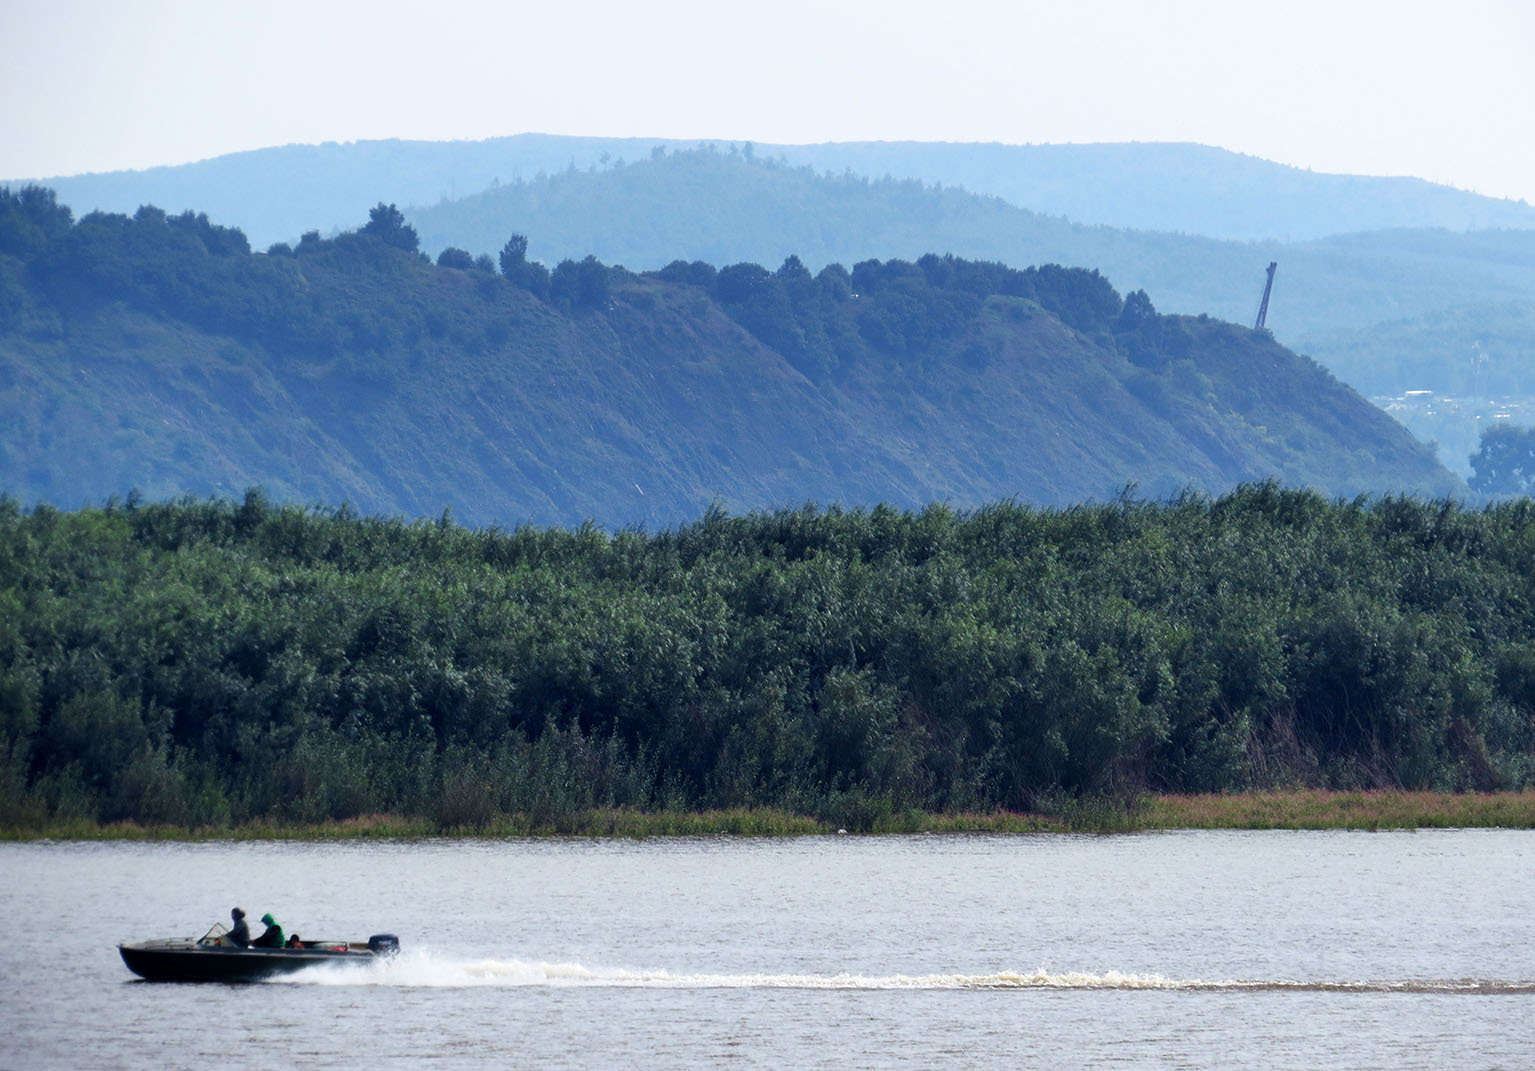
{"x":1387,"y":311}
{"x":159,"y":352}
{"x":1394,"y":285}
{"x":215,"y":662}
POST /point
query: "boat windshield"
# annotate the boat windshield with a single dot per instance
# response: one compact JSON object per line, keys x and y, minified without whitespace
{"x":217,"y":937}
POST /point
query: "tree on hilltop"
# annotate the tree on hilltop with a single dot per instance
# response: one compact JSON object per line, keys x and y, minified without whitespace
{"x":386,"y":222}
{"x":30,"y":220}
{"x":520,"y":271}
{"x":514,"y":254}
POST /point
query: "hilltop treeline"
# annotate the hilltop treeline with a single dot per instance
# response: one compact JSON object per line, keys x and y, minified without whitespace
{"x":208,"y":662}
{"x":204,"y":273}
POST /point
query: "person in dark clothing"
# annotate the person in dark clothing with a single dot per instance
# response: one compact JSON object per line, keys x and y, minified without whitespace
{"x":239,"y":933}
{"x":271,"y":937}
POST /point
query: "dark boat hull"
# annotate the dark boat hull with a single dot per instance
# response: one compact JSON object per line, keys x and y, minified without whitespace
{"x":187,"y":960}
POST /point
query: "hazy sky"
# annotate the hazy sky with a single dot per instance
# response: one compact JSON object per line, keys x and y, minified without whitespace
{"x":1440,"y":89}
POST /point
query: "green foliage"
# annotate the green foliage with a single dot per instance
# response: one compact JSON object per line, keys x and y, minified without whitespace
{"x":205,"y":663}
{"x":582,"y":287}
{"x":695,"y":274}
{"x":1504,"y":463}
{"x":455,"y":258}
{"x":387,"y":223}
{"x":30,"y":219}
{"x":909,"y":312}
{"x":759,"y":302}
{"x":521,"y":272}
{"x":514,"y":254}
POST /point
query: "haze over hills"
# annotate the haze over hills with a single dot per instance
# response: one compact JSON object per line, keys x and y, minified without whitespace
{"x":1424,"y":305}
{"x":1173,"y":187}
{"x":159,"y":353}
{"x":277,"y":193}
{"x":1389,"y":312}
{"x":724,"y":208}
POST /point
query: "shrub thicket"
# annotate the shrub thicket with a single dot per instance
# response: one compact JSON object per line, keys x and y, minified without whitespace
{"x":208,"y":662}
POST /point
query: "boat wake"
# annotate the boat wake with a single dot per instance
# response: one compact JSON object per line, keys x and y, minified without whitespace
{"x":426,"y":970}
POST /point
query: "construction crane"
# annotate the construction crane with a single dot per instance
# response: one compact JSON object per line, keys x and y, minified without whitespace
{"x":1263,"y":308}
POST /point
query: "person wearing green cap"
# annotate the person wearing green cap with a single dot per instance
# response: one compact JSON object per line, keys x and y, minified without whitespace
{"x":271,"y":937}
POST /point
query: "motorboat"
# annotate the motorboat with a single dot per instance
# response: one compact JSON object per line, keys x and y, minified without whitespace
{"x":214,"y":957}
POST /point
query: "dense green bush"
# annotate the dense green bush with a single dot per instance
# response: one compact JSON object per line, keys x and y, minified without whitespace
{"x":207,"y":662}
{"x":903,"y":310}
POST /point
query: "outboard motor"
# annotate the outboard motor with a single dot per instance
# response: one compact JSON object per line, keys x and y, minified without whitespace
{"x":384,"y":944}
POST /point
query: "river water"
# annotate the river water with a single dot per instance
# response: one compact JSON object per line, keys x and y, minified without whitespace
{"x":1189,"y":950}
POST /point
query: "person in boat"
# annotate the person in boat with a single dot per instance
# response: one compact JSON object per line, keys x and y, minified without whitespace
{"x":294,"y":942}
{"x":271,"y":937}
{"x":239,"y":933}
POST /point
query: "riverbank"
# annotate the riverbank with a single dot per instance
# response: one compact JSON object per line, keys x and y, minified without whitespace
{"x":1297,"y":809}
{"x":1317,"y":809}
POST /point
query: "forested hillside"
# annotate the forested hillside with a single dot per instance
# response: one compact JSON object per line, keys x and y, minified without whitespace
{"x":1386,"y":312}
{"x":214,"y":662}
{"x":1414,"y":304}
{"x":1175,"y":188}
{"x":158,"y":352}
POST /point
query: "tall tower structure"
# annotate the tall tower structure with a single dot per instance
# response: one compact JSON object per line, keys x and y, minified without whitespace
{"x":1268,"y":287}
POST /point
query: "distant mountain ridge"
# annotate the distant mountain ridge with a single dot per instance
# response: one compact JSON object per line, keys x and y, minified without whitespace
{"x":1174,"y":187}
{"x":723,"y":208}
{"x":277,"y":193}
{"x":159,"y":353}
